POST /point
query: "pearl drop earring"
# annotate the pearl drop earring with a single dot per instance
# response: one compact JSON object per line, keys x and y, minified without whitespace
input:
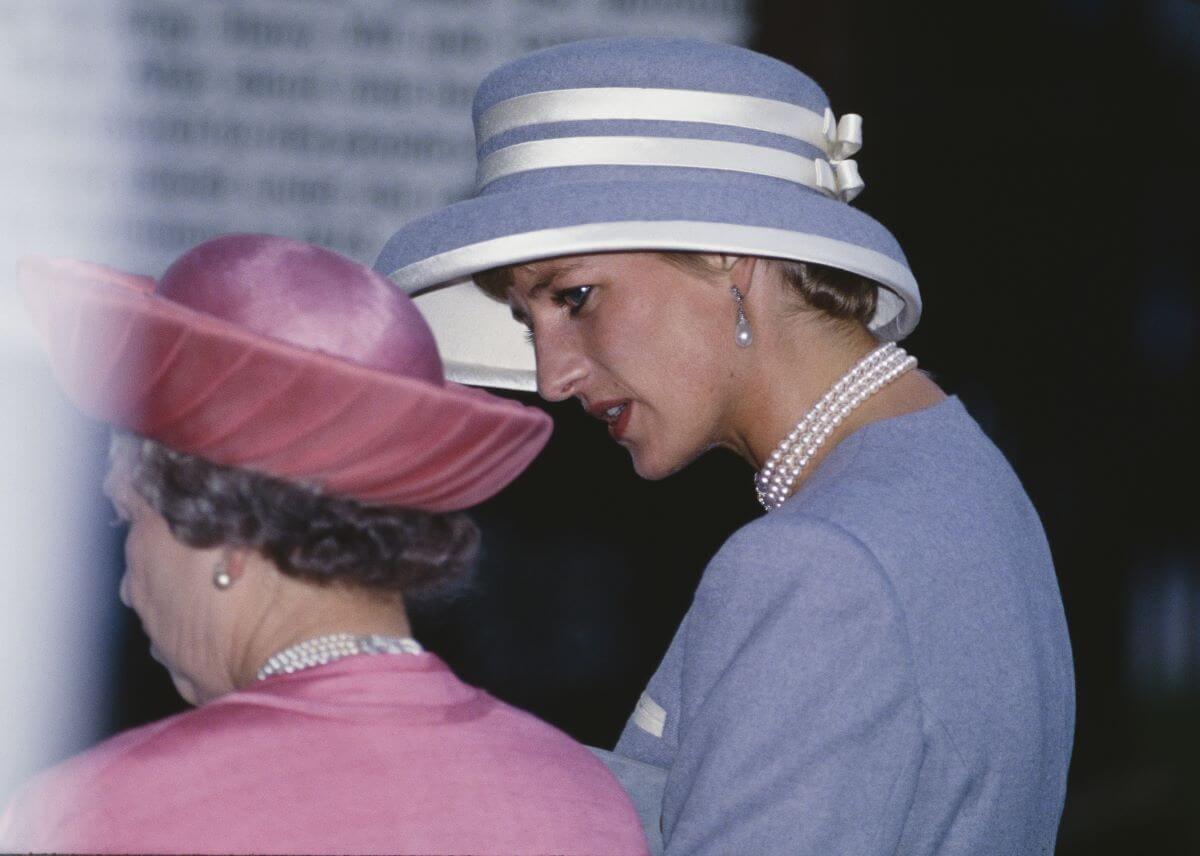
{"x":221,"y":578}
{"x":741,"y":330}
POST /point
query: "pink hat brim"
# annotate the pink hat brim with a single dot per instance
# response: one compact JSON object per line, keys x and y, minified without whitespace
{"x":201,"y":385}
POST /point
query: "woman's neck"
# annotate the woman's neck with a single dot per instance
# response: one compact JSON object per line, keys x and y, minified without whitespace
{"x":298,"y":611}
{"x":797,"y":366}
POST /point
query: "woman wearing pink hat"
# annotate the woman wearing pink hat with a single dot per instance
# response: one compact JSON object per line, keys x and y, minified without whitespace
{"x":291,"y":464}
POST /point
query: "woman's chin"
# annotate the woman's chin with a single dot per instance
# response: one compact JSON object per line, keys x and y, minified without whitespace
{"x":653,"y":468}
{"x":187,"y":690}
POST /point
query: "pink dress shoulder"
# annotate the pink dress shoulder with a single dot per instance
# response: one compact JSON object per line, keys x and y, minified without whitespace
{"x":372,"y":754}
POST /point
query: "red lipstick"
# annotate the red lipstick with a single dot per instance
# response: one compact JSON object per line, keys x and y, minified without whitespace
{"x":615,"y":413}
{"x":617,"y":427}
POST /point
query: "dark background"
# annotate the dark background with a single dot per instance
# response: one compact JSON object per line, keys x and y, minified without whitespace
{"x":1038,"y":161}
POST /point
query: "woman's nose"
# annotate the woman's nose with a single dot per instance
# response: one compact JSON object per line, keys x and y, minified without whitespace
{"x":560,"y":368}
{"x":123,"y":590}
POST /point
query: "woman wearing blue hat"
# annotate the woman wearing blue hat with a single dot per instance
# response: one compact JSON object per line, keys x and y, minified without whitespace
{"x":880,"y":664}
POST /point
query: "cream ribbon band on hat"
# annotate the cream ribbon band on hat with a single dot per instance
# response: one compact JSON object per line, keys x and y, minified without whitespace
{"x":839,"y":180}
{"x":836,"y":177}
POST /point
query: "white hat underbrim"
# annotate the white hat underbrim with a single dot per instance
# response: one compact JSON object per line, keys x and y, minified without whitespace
{"x":482,"y":345}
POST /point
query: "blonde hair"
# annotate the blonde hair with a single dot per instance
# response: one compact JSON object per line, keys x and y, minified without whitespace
{"x":841,"y":295}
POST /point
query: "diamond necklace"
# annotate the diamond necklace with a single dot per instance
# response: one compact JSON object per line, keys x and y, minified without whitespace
{"x":325,"y":649}
{"x":774,"y":481}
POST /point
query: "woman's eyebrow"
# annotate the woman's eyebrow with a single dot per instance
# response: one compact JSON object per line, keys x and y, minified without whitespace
{"x":111,"y":490}
{"x":547,"y":279}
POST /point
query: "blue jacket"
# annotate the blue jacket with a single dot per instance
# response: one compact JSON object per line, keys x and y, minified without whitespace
{"x":881,"y":666}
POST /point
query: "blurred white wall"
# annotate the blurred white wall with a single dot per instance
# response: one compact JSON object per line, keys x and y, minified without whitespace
{"x":130,"y":131}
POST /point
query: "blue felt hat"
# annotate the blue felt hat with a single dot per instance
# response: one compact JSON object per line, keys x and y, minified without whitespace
{"x":641,"y":144}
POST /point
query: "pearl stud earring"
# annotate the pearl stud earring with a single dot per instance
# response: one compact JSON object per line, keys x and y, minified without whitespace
{"x":221,"y":578}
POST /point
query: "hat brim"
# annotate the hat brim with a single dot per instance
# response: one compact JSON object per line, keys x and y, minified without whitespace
{"x":201,"y":385}
{"x":433,"y":258}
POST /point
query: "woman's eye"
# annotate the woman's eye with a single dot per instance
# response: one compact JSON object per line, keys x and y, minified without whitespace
{"x":573,"y":298}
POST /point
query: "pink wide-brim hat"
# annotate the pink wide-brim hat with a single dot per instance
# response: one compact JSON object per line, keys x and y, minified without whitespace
{"x":284,"y":358}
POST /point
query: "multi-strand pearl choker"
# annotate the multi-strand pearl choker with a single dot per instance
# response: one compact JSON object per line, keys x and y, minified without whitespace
{"x":774,"y":481}
{"x":326,"y":649}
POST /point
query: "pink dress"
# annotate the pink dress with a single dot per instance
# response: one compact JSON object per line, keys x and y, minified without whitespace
{"x":370,"y":754}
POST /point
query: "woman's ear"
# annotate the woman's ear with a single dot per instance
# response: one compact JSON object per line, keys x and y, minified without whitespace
{"x":233,"y":562}
{"x":741,"y":271}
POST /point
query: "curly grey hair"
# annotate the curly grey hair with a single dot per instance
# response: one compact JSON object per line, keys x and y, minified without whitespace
{"x":306,"y":534}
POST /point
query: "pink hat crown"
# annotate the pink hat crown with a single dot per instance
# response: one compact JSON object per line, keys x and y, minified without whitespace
{"x":306,"y":296}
